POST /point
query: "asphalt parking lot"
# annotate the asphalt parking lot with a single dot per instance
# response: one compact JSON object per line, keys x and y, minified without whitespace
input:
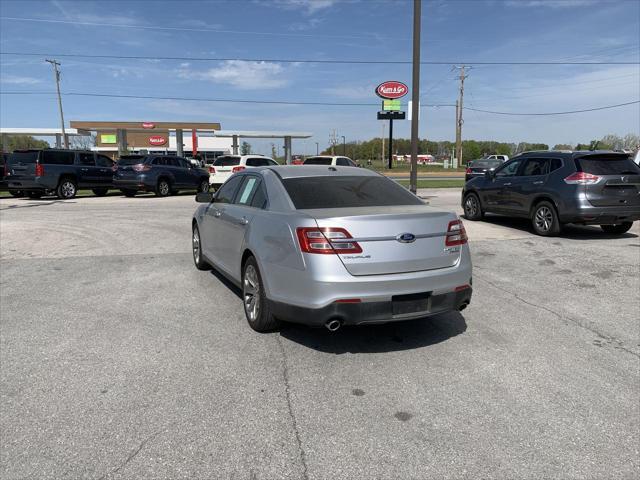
{"x":118,"y":359}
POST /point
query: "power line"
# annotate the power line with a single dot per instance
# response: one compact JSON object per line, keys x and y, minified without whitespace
{"x":302,"y":60}
{"x":284,"y":102}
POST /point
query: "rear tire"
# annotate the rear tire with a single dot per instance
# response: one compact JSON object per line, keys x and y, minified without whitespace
{"x":196,"y":246}
{"x":100,"y":192}
{"x":34,"y":195}
{"x":67,"y":189}
{"x":545,"y":220}
{"x":618,"y":229}
{"x":254,"y":300}
{"x":204,"y":186}
{"x":472,"y":207}
{"x":163,"y":188}
{"x":129,"y":193}
{"x":16,"y":193}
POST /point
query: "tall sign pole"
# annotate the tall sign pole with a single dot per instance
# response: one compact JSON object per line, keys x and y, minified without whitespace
{"x":55,"y":64}
{"x":415,"y":96}
{"x":391,"y":92}
{"x":390,"y":160}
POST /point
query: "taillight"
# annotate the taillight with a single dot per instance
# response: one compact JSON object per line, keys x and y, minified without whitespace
{"x":114,"y":167}
{"x":39,"y":170}
{"x":468,"y":170}
{"x":212,"y":169}
{"x":6,"y":170}
{"x":581,"y":178}
{"x":326,"y":240}
{"x":237,"y":169}
{"x":456,"y":234}
{"x":141,"y":167}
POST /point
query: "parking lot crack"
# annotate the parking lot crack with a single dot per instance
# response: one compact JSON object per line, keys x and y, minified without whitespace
{"x":294,"y":423}
{"x":564,"y":318}
{"x":131,"y":456}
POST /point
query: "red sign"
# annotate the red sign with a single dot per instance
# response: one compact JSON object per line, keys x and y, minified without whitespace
{"x":392,"y":90}
{"x":157,"y":140}
{"x":148,"y":125}
{"x":194,"y":142}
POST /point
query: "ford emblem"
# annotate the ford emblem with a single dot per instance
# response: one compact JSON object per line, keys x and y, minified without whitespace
{"x":406,"y":238}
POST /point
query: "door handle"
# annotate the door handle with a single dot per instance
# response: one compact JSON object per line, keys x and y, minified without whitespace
{"x":538,"y":183}
{"x":217,"y":213}
{"x":84,"y":169}
{"x":243,"y":221}
{"x":506,"y":184}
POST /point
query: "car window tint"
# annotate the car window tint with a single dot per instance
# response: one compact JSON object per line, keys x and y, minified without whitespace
{"x":131,"y":160}
{"x":347,"y":191}
{"x":271,"y":162}
{"x":226,"y":161}
{"x":554,"y":164}
{"x":535,"y":166}
{"x":318,"y":161}
{"x":86,"y":159}
{"x":607,"y":165}
{"x":509,"y":169}
{"x":256,"y":162}
{"x":259,"y":197}
{"x":247,"y":190}
{"x":228,"y":190}
{"x":23,"y":157}
{"x":342,"y":162}
{"x":53,"y":157}
{"x":104,"y":161}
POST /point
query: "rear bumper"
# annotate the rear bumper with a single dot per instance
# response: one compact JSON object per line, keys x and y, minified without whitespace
{"x":369,"y":312}
{"x":218,"y":178}
{"x":133,"y":183}
{"x":589,"y":215}
{"x":31,"y":183}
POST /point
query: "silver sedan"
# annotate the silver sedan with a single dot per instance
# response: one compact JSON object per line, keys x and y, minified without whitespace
{"x":331,"y":246}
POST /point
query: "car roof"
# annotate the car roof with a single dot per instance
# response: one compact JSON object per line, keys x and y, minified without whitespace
{"x":297,"y":171}
{"x":573,"y":153}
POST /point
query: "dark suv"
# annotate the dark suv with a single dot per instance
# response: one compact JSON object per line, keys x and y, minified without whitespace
{"x":553,"y":188}
{"x":161,"y":174}
{"x":63,"y":172}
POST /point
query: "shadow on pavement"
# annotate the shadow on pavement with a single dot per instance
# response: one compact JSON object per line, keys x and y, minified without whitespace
{"x":388,"y":337}
{"x":569,"y":231}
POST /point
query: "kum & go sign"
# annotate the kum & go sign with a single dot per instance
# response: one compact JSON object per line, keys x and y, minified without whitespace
{"x":392,"y":90}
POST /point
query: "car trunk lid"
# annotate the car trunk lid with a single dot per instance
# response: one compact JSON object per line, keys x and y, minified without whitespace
{"x":400,"y":239}
{"x":618,"y":180}
{"x":22,"y":164}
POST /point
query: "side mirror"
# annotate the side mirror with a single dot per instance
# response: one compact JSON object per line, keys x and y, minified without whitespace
{"x":204,"y":197}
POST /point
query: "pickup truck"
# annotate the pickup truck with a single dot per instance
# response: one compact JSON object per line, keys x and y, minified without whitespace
{"x":62,"y":172}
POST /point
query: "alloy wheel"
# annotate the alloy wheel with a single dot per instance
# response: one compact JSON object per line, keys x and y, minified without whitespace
{"x":164,"y":188}
{"x":251,"y":293}
{"x":471,"y":206}
{"x":204,"y":186}
{"x":68,"y":189}
{"x":196,"y":245}
{"x":543,"y":219}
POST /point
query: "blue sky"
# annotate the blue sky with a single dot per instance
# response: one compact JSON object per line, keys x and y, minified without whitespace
{"x":453,"y":31}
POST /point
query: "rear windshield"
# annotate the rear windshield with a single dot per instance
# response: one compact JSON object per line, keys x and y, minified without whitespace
{"x":318,"y":161}
{"x":226,"y":161}
{"x":23,"y":157}
{"x":346,"y":192}
{"x":131,"y":160}
{"x":608,"y":165}
{"x":485,"y":163}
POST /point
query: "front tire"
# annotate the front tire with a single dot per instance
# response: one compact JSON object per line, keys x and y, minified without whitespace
{"x":34,"y":195}
{"x":67,"y":189}
{"x":100,"y":192}
{"x":129,"y":193}
{"x":545,"y":220}
{"x":618,"y":229}
{"x":16,"y":193}
{"x":254,"y":300}
{"x":472,"y":208}
{"x":196,"y":246}
{"x":163,"y":189}
{"x":204,"y":186}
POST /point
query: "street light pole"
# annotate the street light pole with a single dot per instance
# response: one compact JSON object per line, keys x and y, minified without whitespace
{"x":344,"y":145}
{"x":317,"y":149}
{"x":415,"y":96}
{"x":55,"y":64}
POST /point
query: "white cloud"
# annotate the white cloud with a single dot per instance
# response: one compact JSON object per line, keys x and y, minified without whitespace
{"x":352,"y":91}
{"x":549,"y":3}
{"x":308,"y":6}
{"x":241,"y":74}
{"x":72,"y":14}
{"x":16,"y":80}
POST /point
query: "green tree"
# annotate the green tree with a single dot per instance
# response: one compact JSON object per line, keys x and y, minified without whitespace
{"x":22,"y":142}
{"x":245,"y":148}
{"x":562,"y":146}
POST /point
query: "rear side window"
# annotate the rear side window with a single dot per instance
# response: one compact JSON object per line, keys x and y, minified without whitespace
{"x":228,"y":190}
{"x":607,"y":165}
{"x":257,"y":162}
{"x":104,"y":161}
{"x":131,"y":160}
{"x":23,"y":157}
{"x":535,"y":166}
{"x":346,"y":191}
{"x":86,"y":159}
{"x":247,"y":191}
{"x":345,"y":162}
{"x":318,"y":161}
{"x":52,"y":157}
{"x":226,"y":161}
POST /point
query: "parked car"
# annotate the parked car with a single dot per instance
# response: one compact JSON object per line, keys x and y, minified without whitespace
{"x":476,"y":168}
{"x":225,"y":166}
{"x":502,"y":158}
{"x":63,"y":172}
{"x":331,"y":246}
{"x":330,"y":160}
{"x":636,"y":158}
{"x":161,"y":174}
{"x":553,"y":188}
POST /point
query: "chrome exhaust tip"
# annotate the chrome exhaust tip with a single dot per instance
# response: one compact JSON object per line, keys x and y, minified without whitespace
{"x":463,"y":306}
{"x":333,"y":324}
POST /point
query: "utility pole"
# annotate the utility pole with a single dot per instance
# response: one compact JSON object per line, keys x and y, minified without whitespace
{"x":415,"y":96}
{"x":55,"y":64}
{"x":317,"y":148}
{"x":344,"y":146}
{"x":459,"y":120}
{"x":382,"y":151}
{"x":333,"y":140}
